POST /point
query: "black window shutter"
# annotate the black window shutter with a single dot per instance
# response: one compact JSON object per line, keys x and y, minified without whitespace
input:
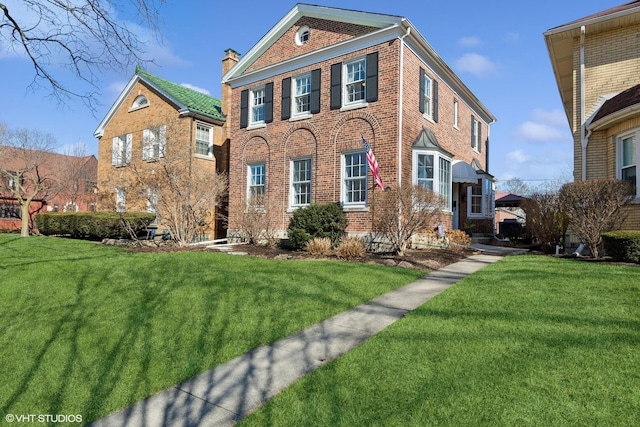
{"x":268,"y":102}
{"x":421,"y":93}
{"x":286,"y":98}
{"x":479,"y":137}
{"x":244,"y":108}
{"x":315,"y":91}
{"x":372,"y":77}
{"x":435,"y":101}
{"x":473,"y":130}
{"x":336,"y":86}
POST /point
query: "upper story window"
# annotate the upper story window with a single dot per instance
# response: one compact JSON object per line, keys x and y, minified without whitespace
{"x":428,"y":99}
{"x":303,"y":35}
{"x":355,"y":79}
{"x":204,"y":140}
{"x":153,"y":142}
{"x":354,"y":179}
{"x":476,"y":134}
{"x":354,"y":83}
{"x":628,"y":161}
{"x":121,"y":150}
{"x":426,"y":94}
{"x":455,"y":113}
{"x":302,"y":95}
{"x":141,"y":101}
{"x":300,"y":182}
{"x":257,"y":105}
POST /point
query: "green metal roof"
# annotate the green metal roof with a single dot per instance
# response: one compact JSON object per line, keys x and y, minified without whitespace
{"x":189,"y":99}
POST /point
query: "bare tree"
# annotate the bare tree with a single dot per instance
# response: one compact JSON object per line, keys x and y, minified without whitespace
{"x":257,"y":222}
{"x":594,"y":207}
{"x":401,"y":213}
{"x":546,"y":218}
{"x":24,"y":170}
{"x":515,"y":186}
{"x":85,"y":37}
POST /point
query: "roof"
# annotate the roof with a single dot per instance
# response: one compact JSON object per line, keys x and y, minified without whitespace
{"x":190,"y":99}
{"x":505,"y":199}
{"x":560,"y":41}
{"x":187,"y":101}
{"x":384,"y":29}
{"x":625,"y":99}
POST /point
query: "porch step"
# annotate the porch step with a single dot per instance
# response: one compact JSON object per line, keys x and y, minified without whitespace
{"x":480,"y":238}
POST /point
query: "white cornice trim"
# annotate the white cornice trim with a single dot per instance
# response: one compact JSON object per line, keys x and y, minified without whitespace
{"x":298,"y":11}
{"x":576,"y":25}
{"x":115,"y":107}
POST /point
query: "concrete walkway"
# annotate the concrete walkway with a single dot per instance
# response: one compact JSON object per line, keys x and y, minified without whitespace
{"x":229,"y":392}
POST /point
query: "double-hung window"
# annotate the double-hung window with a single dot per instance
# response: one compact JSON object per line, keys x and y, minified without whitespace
{"x":432,"y":171}
{"x":256,"y":180}
{"x":204,"y":140}
{"x":153,"y":142}
{"x":628,"y":154}
{"x":257,"y":105}
{"x":121,"y":200}
{"x":480,"y":198}
{"x":300,"y":182}
{"x":427,"y":95}
{"x":302,"y":95}
{"x":121,"y":150}
{"x":355,"y":78}
{"x":354,"y":179}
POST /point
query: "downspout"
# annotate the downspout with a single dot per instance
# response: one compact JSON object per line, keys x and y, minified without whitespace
{"x":400,"y":102}
{"x":584,"y":138}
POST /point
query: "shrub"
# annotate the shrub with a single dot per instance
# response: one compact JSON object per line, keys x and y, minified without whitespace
{"x":458,"y":239}
{"x":93,"y":225}
{"x":318,"y":246}
{"x":316,"y":220}
{"x":350,"y":247}
{"x":622,"y":245}
{"x":546,"y":219}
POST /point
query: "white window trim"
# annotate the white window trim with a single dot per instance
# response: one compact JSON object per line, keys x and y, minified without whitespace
{"x":636,"y":135}
{"x":476,"y":139}
{"x":292,"y":193}
{"x":436,"y":172}
{"x":209,"y":154}
{"x":121,"y":150}
{"x":138,"y":104}
{"x":345,"y":95}
{"x":456,"y":107}
{"x":121,"y":200}
{"x":150,"y":139}
{"x":428,"y":106}
{"x":300,"y":35}
{"x":487,"y":199}
{"x":249,"y":175}
{"x":295,"y":115}
{"x":252,"y":91}
{"x":343,"y":187}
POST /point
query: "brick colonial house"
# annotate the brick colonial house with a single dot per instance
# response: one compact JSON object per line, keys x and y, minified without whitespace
{"x":68,"y":184}
{"x":322,"y":79}
{"x":596,"y":61}
{"x":153,"y":117}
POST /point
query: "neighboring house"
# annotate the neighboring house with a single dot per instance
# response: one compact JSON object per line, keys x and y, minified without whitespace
{"x":151,"y":118}
{"x":596,"y":61}
{"x":320,"y":81}
{"x":510,"y":217}
{"x":67,"y":184}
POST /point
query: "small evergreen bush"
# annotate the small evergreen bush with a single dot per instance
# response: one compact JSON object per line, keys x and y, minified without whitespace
{"x":316,"y":220}
{"x":622,"y":245}
{"x":93,"y":225}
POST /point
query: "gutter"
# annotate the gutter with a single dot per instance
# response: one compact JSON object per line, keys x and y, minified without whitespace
{"x":584,"y":136}
{"x":400,"y":104}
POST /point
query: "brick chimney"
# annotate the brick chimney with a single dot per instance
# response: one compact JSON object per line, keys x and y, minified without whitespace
{"x":230,"y":59}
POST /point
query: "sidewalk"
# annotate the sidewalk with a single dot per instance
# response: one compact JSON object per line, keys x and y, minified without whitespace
{"x":229,"y":392}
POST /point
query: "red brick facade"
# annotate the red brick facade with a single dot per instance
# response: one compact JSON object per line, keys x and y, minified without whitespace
{"x":326,"y":135}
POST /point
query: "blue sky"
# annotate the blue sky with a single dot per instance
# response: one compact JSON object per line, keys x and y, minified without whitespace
{"x":497,"y":48}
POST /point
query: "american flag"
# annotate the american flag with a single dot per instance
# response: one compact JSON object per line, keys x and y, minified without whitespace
{"x":373,"y":164}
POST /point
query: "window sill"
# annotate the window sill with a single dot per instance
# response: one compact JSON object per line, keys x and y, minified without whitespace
{"x":301,"y":117}
{"x":429,"y":118}
{"x":203,"y":157}
{"x":256,"y":126}
{"x":131,"y":110}
{"x":355,"y":208}
{"x":354,"y":106}
{"x":292,"y":209}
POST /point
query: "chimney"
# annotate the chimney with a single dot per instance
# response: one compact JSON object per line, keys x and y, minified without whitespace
{"x":230,"y":59}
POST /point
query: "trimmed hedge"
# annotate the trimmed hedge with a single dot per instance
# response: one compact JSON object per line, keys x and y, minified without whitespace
{"x":622,"y":245}
{"x":93,"y":225}
{"x":316,"y":220}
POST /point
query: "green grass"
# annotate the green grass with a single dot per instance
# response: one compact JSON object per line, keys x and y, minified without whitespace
{"x":88,"y":329}
{"x":528,"y":341}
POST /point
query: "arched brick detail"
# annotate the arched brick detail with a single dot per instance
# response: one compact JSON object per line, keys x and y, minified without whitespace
{"x":301,"y":140}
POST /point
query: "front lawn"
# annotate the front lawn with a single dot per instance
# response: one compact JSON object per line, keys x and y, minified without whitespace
{"x":88,"y":329}
{"x":528,"y":341}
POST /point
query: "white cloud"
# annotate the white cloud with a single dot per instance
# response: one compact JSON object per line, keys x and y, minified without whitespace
{"x":545,"y":126}
{"x":477,"y":64}
{"x":196,"y":88}
{"x":518,"y":156}
{"x":469,"y":41}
